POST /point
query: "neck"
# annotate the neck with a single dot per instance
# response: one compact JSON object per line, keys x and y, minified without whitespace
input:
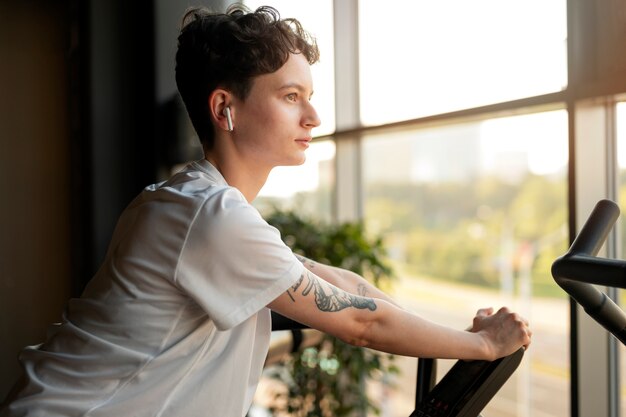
{"x":246,"y":178}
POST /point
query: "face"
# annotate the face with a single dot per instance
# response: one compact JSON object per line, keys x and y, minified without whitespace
{"x":273,"y":125}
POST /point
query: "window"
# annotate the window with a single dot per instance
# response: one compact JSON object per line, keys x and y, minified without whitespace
{"x":429,"y":57}
{"x":473,"y":215}
{"x":471,"y":162}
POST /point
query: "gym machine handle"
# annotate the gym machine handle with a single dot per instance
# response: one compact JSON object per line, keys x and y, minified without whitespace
{"x":579,"y":268}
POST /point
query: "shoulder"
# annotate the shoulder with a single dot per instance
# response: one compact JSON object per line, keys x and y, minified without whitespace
{"x":195,"y":189}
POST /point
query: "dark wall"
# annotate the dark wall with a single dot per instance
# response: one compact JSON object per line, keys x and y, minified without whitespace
{"x":115,"y":57}
{"x":35,"y":258}
{"x":88,"y":117}
{"x":77,"y":137}
{"x":117,"y":136}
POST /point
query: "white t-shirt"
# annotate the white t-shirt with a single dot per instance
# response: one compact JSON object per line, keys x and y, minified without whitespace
{"x":174,"y":323}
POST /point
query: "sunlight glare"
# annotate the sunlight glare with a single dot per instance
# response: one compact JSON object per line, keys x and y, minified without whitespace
{"x":537,"y":141}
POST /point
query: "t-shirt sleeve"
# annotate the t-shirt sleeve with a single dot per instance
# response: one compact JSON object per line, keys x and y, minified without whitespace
{"x":233,"y":263}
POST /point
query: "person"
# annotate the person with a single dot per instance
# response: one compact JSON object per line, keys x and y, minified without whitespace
{"x":177,"y":322}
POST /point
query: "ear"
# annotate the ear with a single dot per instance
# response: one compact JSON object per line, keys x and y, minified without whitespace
{"x":219,"y":100}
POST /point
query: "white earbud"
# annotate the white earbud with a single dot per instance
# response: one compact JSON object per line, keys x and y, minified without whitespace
{"x":229,"y":120}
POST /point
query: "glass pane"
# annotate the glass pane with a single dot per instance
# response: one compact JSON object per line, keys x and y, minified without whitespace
{"x":473,"y":215}
{"x":307,"y":189}
{"x":429,"y":57}
{"x":621,"y":162}
{"x":316,"y":17}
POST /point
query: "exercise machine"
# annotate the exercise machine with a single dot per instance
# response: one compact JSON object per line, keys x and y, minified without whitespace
{"x":579,"y":269}
{"x":463,"y":391}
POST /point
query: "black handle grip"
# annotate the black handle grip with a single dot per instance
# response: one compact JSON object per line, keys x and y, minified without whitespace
{"x":579,"y":269}
{"x":280,"y":322}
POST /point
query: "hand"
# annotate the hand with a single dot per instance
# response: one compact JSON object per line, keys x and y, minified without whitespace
{"x":504,"y":332}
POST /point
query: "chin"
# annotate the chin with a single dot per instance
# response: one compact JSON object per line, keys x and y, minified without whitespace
{"x":292,"y":164}
{"x":295,"y":161}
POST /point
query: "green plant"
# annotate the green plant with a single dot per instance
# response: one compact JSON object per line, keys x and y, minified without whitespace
{"x":329,"y":378}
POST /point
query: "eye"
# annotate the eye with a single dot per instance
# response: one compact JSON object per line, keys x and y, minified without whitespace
{"x":292,"y":96}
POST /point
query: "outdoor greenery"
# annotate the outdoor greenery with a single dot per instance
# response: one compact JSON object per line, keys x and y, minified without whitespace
{"x":329,"y":379}
{"x":484,"y":232}
{"x":480,"y":232}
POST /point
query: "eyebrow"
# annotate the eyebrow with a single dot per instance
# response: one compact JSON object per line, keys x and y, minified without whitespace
{"x":297,"y":86}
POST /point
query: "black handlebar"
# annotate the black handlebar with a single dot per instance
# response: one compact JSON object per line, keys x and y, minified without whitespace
{"x":579,"y":268}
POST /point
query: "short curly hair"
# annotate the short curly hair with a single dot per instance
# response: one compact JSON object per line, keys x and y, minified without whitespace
{"x":227,"y":50}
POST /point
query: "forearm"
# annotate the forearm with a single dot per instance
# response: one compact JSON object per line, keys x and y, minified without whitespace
{"x":376,"y":323}
{"x":346,"y":280}
{"x":400,"y":332}
{"x":370,"y":321}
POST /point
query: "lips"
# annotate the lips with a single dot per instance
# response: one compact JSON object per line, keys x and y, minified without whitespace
{"x":304,"y":141}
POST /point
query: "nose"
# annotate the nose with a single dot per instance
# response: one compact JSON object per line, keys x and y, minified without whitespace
{"x":311,"y":119}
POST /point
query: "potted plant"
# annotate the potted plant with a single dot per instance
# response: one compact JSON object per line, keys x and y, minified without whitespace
{"x":329,"y":378}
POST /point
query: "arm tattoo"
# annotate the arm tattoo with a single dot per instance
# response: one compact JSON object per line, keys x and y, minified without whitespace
{"x":307,"y":262}
{"x":361,"y":289}
{"x":295,"y":286}
{"x":329,"y":298}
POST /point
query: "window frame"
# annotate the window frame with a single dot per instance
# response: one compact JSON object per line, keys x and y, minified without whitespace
{"x":594,"y":83}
